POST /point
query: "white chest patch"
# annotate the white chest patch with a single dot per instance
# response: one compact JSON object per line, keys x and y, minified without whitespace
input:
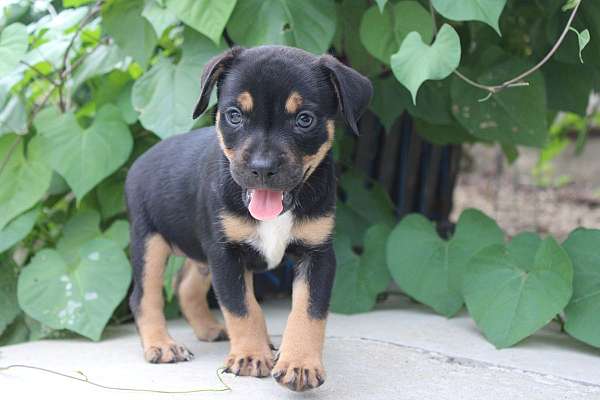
{"x":272,"y":238}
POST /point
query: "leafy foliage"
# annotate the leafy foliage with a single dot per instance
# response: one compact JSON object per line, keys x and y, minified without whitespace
{"x":85,"y":92}
{"x":513,"y":291}
{"x":582,"y":313}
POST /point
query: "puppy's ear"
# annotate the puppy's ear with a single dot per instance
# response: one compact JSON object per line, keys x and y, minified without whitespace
{"x":213,"y":70}
{"x":353,"y":90}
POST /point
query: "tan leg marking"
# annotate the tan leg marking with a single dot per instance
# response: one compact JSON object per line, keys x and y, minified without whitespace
{"x":299,"y":366}
{"x":192,"y":290}
{"x":229,"y":153}
{"x":245,"y":101}
{"x":313,"y":231}
{"x":237,"y":229}
{"x":293,"y":102}
{"x":158,"y":345}
{"x":312,"y":162}
{"x":250,"y":353}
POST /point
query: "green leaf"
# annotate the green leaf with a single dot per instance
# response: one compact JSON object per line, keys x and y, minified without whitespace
{"x":360,"y":279}
{"x":79,"y":296}
{"x":382,"y":32}
{"x":583,"y":312}
{"x":583,"y":38}
{"x":118,"y":232}
{"x":487,"y":11}
{"x":76,"y":3}
{"x":442,"y":134}
{"x":13,"y":45}
{"x":17,"y":332}
{"x":122,"y":19}
{"x":165,"y":96}
{"x":308,"y":24}
{"x":17,"y":229}
{"x":381,"y":4}
{"x":347,"y":38}
{"x":8,"y":295}
{"x":208,"y":17}
{"x":417,"y":62}
{"x":24,"y":180}
{"x":388,"y":101}
{"x":80,"y":229}
{"x":159,"y":16}
{"x":514,"y":116}
{"x":103,"y":59}
{"x":512,"y":291}
{"x":373,"y":204}
{"x":111,"y":197}
{"x":84,"y":157}
{"x":568,"y":86}
{"x":570,"y":4}
{"x":13,"y":118}
{"x":430,"y":269}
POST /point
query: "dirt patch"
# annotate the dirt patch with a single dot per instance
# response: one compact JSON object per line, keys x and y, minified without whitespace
{"x":511,"y":195}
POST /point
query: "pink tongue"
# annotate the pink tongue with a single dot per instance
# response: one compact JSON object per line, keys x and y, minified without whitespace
{"x":265,"y":204}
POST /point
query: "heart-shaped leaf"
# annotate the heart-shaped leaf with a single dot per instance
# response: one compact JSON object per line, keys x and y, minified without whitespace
{"x":123,"y":21}
{"x":360,"y":278}
{"x":417,"y":62}
{"x":84,"y":227}
{"x":308,"y":24}
{"x":208,"y":17}
{"x":487,"y":11}
{"x":13,"y":45}
{"x":159,"y":16}
{"x":512,"y":291}
{"x":382,"y":32}
{"x":17,"y":229}
{"x":515,"y":116}
{"x":583,"y":312}
{"x":84,"y":157}
{"x":79,"y":296}
{"x":23,"y":180}
{"x":165,"y":95}
{"x":430,"y":269}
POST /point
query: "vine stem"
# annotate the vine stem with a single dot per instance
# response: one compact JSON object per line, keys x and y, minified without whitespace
{"x":66,"y":68}
{"x":517,"y":80}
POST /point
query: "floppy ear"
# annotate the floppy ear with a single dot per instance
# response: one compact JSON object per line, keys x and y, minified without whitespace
{"x":353,"y":90}
{"x":211,"y":74}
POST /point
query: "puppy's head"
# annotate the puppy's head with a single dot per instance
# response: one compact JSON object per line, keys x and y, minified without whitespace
{"x":275,"y":117}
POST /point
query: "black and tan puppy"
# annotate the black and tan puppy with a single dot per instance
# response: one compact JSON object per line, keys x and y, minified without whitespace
{"x":238,"y":197}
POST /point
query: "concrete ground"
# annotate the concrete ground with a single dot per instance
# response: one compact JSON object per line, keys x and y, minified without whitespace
{"x":400,"y":351}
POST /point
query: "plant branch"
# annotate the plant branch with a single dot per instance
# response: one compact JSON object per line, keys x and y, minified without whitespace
{"x":43,"y":75}
{"x":517,"y":80}
{"x":66,"y":68}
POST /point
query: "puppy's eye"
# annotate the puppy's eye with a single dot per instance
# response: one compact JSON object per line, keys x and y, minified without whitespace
{"x":305,"y":119}
{"x":234,"y":116}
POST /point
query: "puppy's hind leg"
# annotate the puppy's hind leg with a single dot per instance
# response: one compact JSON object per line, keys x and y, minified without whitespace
{"x":192,"y":289}
{"x":149,"y":253}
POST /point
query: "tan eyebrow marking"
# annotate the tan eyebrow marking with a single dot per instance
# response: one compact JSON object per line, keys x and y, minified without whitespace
{"x":245,"y":101}
{"x":293,"y":102}
{"x":311,"y":162}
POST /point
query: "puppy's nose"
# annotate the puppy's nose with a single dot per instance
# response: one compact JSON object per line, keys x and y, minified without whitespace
{"x":264,"y":168}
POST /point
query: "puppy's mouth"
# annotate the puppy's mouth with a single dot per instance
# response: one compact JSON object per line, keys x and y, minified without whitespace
{"x":264,"y":204}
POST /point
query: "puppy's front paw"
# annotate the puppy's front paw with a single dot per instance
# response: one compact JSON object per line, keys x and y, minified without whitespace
{"x":299,"y":373}
{"x":166,"y":352}
{"x":258,"y":365}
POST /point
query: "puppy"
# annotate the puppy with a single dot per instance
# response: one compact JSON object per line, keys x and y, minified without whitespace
{"x":236,"y":199}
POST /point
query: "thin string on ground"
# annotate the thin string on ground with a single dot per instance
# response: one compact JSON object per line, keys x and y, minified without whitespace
{"x":225,"y":388}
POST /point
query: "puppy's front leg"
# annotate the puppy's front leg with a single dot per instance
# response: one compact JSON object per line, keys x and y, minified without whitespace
{"x":250,"y":350}
{"x":299,"y":366}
